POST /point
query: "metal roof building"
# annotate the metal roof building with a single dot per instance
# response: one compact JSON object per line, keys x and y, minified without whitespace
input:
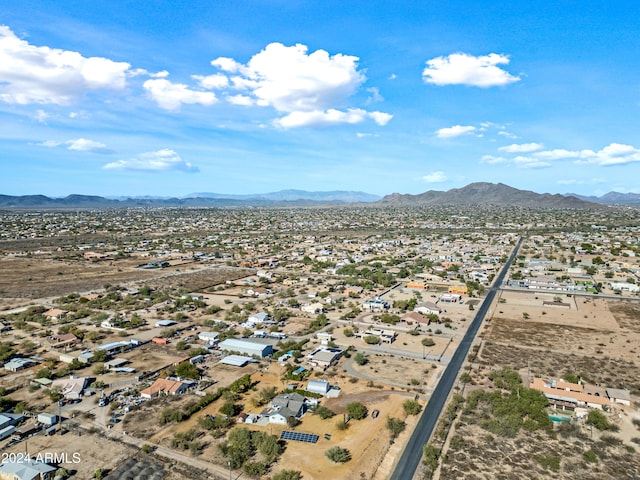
{"x":246,"y":347}
{"x":318,"y":386}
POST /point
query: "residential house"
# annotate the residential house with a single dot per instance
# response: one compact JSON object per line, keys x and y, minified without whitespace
{"x":315,"y":308}
{"x":27,"y":469}
{"x":323,"y":357}
{"x":568,"y":396}
{"x":55,"y":314}
{"x":427,"y":308}
{"x":163,"y":386}
{"x":61,"y":341}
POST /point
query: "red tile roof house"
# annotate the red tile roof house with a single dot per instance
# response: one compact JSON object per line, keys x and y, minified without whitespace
{"x":568,"y":395}
{"x":162,"y":385}
{"x":55,"y":314}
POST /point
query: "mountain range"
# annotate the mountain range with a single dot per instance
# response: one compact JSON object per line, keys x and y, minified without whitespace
{"x":480,"y":193}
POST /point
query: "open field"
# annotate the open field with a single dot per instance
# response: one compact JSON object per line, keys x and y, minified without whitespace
{"x":23,"y":279}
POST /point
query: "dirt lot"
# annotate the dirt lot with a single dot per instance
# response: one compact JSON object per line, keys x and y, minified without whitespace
{"x":595,"y":338}
{"x":23,"y":279}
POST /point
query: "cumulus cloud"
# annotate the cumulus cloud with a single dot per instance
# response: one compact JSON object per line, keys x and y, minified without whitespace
{"x":612,"y":154}
{"x":44,"y":75}
{"x":171,"y":96}
{"x":159,"y":161}
{"x":530,"y":162}
{"x":242,"y":100}
{"x":521,"y":148}
{"x":211,"y":82}
{"x":78,"y":145}
{"x":455,"y":131}
{"x":309,"y":89}
{"x":435,"y":177}
{"x":465,"y":69}
{"x":136,"y":72}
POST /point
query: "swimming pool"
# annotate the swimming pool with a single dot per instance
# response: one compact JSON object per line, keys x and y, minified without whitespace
{"x":559,"y":418}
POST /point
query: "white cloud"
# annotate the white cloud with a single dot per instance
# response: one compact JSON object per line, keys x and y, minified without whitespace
{"x":321,"y":118}
{"x":308,"y":88}
{"x":521,"y":148}
{"x":393,"y":76}
{"x":612,"y":154}
{"x":455,"y":131}
{"x":464,"y":69}
{"x":435,"y":177}
{"x":212,"y":81}
{"x":506,"y":134}
{"x":561,"y":154}
{"x":375,"y":95}
{"x":136,"y":72}
{"x":331,"y":116}
{"x":43,"y":75}
{"x":50,"y":144}
{"x":242,"y":100}
{"x":41,"y":116}
{"x":84,"y":145}
{"x":171,"y":96}
{"x":226,"y":64}
{"x":158,"y":161}
{"x":530,"y":162}
{"x":380,"y":118}
{"x":78,"y":145}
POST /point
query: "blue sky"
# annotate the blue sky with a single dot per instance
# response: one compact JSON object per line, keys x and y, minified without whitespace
{"x":174,"y":97}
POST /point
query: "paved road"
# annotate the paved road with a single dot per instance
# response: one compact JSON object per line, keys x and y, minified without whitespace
{"x":410,"y":458}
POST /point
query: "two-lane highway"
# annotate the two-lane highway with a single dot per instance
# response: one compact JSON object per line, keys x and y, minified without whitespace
{"x":410,"y":458}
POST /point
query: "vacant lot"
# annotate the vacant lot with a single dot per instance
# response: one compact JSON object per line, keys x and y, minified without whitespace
{"x":25,"y":279}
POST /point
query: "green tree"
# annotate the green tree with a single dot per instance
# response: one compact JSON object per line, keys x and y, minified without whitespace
{"x":371,"y":339}
{"x":287,"y":475}
{"x":187,"y":370}
{"x":411,"y":407}
{"x":323,"y":412}
{"x":598,"y":420}
{"x":360,"y":358}
{"x":395,"y":426}
{"x":229,"y":408}
{"x":356,"y":410}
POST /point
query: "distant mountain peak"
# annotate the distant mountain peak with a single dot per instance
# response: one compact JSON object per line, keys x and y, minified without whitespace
{"x":485,"y":193}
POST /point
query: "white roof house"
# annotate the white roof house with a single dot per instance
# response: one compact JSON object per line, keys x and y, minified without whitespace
{"x":18,"y":364}
{"x":246,"y":347}
{"x":208,"y":336}
{"x":27,"y":469}
{"x":260,"y":317}
{"x":313,"y":308}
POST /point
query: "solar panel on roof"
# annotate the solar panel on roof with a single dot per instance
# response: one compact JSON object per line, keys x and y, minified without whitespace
{"x":299,"y":437}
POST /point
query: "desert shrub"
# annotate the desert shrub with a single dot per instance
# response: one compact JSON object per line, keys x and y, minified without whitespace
{"x":338,"y":454}
{"x":590,"y":456}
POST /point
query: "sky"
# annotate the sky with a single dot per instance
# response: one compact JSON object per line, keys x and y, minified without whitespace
{"x":173,"y":97}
